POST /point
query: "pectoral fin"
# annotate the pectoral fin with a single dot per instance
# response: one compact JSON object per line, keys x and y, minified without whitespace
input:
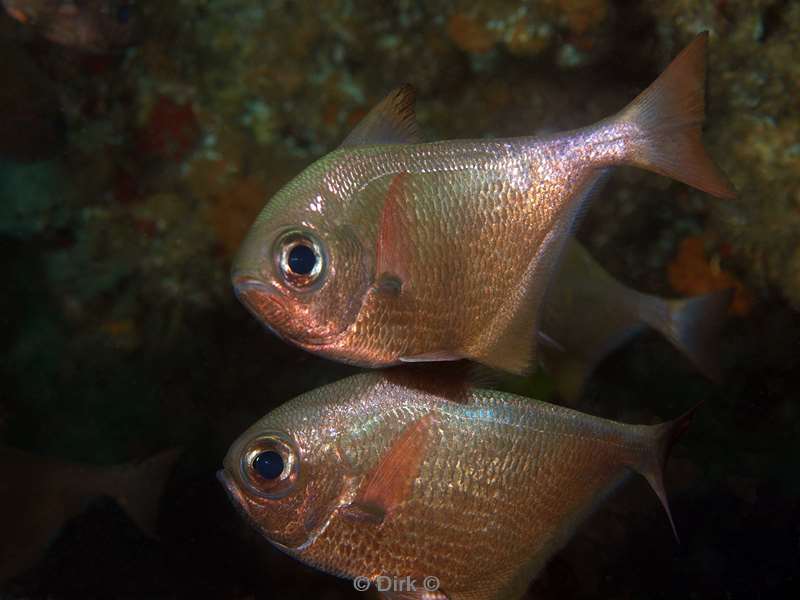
{"x":391,"y":482}
{"x":393,"y":249}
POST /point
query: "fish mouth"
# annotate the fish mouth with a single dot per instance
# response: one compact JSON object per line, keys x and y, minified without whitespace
{"x":247,"y":284}
{"x":264,"y":302}
{"x":234,"y":492}
{"x":260,"y":298}
{"x":239,"y":501}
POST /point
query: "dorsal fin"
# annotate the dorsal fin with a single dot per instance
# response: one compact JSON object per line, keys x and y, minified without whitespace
{"x":391,"y":121}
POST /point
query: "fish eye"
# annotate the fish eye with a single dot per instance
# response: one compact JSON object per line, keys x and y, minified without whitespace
{"x":270,"y":466}
{"x":301,"y":259}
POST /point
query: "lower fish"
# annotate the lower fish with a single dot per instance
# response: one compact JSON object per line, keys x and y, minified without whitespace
{"x":39,"y":495}
{"x":588,"y":314}
{"x":410,"y":475}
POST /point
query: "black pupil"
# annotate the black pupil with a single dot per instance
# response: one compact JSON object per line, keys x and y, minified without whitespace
{"x":268,"y":465}
{"x":302,"y":260}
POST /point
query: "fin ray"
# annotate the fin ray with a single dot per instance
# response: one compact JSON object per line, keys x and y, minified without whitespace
{"x":390,"y":483}
{"x":391,"y":252}
{"x":694,"y":325}
{"x":652,"y":465}
{"x":391,"y":121}
{"x":670,"y":114}
{"x":140,"y":485}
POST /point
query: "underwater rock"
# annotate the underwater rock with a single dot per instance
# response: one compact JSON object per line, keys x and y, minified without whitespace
{"x":31,"y":127}
{"x":755,"y":86}
{"x":32,"y":198}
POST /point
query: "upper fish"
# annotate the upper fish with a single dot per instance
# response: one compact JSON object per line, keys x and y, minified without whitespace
{"x":406,"y":473}
{"x":389,"y":250}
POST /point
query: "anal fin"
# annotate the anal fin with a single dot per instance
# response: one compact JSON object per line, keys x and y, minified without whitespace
{"x":442,"y":356}
{"x":514,"y":349}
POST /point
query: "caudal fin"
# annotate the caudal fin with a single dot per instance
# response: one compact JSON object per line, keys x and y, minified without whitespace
{"x":667,"y":119}
{"x":694,"y":327}
{"x":660,"y":440}
{"x":138,"y":487}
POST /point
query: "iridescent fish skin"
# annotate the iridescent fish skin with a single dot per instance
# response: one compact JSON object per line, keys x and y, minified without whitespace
{"x":398,"y":473}
{"x":90,"y":25}
{"x":588,"y":314}
{"x":440,"y":251}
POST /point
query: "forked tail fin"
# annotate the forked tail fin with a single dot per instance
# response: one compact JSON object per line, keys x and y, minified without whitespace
{"x":138,"y":487}
{"x":667,"y":119}
{"x":659,"y":442}
{"x":693,"y":326}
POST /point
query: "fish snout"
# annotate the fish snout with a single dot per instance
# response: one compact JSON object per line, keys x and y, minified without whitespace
{"x":231,"y":488}
{"x":246,"y":283}
{"x":259,"y":297}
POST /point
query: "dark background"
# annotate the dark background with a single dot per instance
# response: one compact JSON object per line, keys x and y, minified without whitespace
{"x":130,"y":169}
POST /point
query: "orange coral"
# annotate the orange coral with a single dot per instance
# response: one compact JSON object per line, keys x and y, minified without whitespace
{"x":583,"y":15}
{"x":692,"y":273}
{"x":171,"y":131}
{"x":469,"y":34}
{"x":233,"y":211}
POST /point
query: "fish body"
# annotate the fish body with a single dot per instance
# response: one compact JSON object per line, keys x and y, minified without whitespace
{"x":397,"y":474}
{"x":588,"y":314}
{"x":91,"y":25}
{"x":389,"y":250}
{"x":38,"y":495}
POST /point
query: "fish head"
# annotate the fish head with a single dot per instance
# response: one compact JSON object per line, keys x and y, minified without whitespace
{"x":287,"y":481}
{"x":302,"y":270}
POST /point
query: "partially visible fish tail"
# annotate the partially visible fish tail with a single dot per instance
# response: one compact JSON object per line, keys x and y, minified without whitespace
{"x":694,"y":326}
{"x":570,"y":374}
{"x":659,"y":442}
{"x":138,"y":487}
{"x":668,"y":118}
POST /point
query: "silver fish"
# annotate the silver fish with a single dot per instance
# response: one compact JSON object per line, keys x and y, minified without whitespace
{"x":409,"y":473}
{"x":389,"y":250}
